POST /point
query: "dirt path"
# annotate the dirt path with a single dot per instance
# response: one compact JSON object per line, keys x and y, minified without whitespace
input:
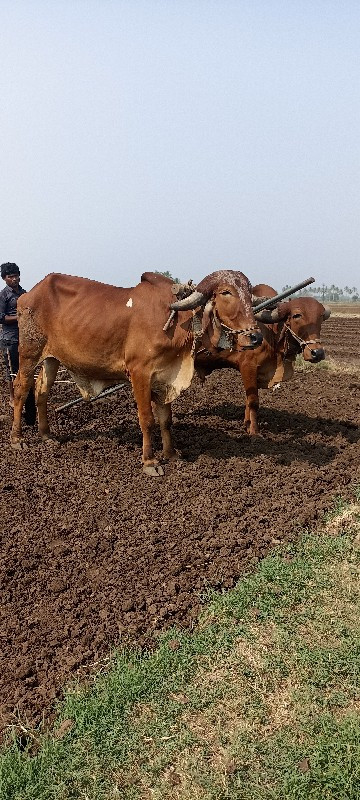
{"x":92,"y":550}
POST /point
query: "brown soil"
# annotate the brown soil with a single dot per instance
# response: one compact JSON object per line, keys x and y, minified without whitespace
{"x":341,"y":338}
{"x":92,"y":550}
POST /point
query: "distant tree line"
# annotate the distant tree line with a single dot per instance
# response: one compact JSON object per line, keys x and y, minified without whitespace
{"x":167,"y":274}
{"x":330,"y":294}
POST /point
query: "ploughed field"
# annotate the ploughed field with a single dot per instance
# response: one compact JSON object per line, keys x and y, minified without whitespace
{"x":341,"y":334}
{"x":93,"y":551}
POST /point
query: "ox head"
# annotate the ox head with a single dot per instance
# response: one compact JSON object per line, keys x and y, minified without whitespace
{"x":302,"y":317}
{"x":225,"y":296}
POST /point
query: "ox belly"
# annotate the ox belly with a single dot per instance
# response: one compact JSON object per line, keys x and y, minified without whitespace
{"x":89,"y":387}
{"x":273,"y":372}
{"x":169,"y":381}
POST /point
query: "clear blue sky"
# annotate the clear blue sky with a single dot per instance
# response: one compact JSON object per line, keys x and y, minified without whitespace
{"x":178,"y":135}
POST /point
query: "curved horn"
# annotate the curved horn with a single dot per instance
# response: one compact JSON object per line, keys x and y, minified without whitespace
{"x":267,"y":316}
{"x":255,"y":300}
{"x":194,"y":300}
{"x":326,"y":313}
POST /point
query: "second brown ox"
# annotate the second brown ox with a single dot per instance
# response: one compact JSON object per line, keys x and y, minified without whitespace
{"x":292,"y":328}
{"x":103,"y":334}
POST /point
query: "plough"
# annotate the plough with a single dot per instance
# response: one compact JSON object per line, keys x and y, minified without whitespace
{"x":102,"y":394}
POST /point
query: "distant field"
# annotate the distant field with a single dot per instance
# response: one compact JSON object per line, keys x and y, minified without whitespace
{"x":344,"y":309}
{"x":340,"y":335}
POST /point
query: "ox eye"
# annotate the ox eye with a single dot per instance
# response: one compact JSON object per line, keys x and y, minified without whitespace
{"x":225,"y":292}
{"x":296,"y":316}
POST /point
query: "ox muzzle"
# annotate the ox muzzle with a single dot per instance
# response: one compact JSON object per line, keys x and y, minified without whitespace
{"x":316,"y":354}
{"x":256,"y":339}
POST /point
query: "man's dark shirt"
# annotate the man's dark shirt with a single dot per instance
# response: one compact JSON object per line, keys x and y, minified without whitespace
{"x":8,"y":302}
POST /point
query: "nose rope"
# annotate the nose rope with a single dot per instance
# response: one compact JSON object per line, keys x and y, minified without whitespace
{"x":227,"y":337}
{"x":302,"y":342}
{"x":244,"y":331}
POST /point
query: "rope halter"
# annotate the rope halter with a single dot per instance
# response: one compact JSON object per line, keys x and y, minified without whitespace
{"x":302,"y":342}
{"x":242,"y":331}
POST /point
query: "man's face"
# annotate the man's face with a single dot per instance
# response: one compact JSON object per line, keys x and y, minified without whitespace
{"x":12,"y":280}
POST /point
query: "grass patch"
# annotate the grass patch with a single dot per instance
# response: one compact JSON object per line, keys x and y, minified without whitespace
{"x":260,"y":702}
{"x":328,"y":365}
{"x":303,"y":366}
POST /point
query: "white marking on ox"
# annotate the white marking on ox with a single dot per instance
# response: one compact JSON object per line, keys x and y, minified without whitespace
{"x":129,"y":302}
{"x":171,"y":380}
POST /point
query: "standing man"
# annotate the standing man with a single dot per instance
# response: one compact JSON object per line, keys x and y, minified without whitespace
{"x":9,"y":337}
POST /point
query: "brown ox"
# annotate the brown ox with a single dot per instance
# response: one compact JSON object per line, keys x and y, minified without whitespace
{"x":291,"y":328}
{"x":103,"y":334}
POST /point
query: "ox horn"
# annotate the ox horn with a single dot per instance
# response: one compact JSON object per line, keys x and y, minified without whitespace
{"x":194,"y":300}
{"x":267,"y":316}
{"x":255,"y":300}
{"x":326,"y":313}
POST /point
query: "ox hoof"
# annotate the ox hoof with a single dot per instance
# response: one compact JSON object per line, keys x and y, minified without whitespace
{"x":50,"y":441}
{"x":154,"y":470}
{"x":176,"y":456}
{"x":18,"y":444}
{"x":251,"y":431}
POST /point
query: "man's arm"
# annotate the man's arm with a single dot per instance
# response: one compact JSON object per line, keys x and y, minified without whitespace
{"x":2,"y":307}
{"x":8,"y":319}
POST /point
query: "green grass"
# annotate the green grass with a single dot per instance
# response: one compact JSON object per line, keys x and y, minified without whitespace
{"x":260,"y":702}
{"x":329,"y":365}
{"x":302,"y":366}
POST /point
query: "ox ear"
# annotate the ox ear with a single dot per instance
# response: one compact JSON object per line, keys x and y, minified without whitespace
{"x":266,"y":316}
{"x":275,"y":315}
{"x":206,"y":321}
{"x":206,"y":315}
{"x":326,"y":313}
{"x":283,"y":310}
{"x":256,"y":300}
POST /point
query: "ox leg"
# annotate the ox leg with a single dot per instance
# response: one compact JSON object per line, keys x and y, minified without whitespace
{"x":252,"y":403}
{"x":164,"y":415}
{"x":142,"y":394}
{"x":43,"y":385}
{"x":24,"y":381}
{"x":251,"y":412}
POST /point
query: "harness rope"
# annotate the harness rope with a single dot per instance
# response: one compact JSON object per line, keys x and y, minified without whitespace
{"x":227,"y":335}
{"x":302,"y":342}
